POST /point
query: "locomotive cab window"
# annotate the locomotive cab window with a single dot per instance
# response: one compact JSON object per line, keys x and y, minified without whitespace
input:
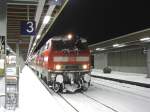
{"x":70,"y":45}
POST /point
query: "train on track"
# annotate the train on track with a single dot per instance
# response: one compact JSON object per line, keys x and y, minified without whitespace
{"x":64,"y":63}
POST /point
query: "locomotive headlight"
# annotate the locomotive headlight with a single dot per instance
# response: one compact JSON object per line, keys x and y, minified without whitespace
{"x":84,"y":66}
{"x":58,"y":67}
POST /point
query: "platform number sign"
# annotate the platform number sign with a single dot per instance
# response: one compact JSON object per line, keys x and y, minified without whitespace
{"x":28,"y":28}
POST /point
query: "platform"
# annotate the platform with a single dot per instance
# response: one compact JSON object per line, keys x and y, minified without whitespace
{"x":133,"y":77}
{"x":33,"y":97}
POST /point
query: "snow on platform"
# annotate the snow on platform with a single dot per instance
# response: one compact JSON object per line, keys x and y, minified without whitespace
{"x":33,"y":97}
{"x":135,"y":77}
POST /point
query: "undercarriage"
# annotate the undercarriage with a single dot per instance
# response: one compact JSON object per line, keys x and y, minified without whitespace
{"x":69,"y":81}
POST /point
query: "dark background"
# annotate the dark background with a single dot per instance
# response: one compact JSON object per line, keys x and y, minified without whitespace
{"x":99,"y":20}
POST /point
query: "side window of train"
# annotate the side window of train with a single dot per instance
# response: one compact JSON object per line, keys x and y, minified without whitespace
{"x":47,"y":45}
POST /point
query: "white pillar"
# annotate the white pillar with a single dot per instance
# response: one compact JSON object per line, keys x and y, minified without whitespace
{"x":148,"y":63}
{"x":3,"y":32}
{"x":3,"y":18}
{"x":17,"y":70}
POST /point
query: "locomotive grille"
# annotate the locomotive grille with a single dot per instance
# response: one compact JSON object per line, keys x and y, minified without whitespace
{"x":72,"y":67}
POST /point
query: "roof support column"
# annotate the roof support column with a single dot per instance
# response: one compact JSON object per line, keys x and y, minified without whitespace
{"x":148,"y":63}
{"x":17,"y":71}
{"x":3,"y":33}
{"x":39,"y":10}
{"x":3,"y":18}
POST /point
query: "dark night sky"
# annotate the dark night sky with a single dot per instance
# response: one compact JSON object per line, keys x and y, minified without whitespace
{"x":99,"y":20}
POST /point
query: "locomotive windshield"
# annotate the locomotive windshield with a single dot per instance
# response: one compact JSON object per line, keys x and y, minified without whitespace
{"x":70,"y":45}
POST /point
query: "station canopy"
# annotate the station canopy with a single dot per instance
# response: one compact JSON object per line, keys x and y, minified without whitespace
{"x":32,"y":10}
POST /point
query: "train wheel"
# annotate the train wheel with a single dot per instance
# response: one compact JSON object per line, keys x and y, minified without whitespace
{"x":85,"y":86}
{"x":56,"y":86}
{"x":37,"y":73}
{"x":44,"y":79}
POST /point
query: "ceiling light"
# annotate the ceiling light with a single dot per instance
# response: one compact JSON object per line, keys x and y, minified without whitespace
{"x":115,"y":45}
{"x":38,"y":36}
{"x":46,"y":19}
{"x":118,"y":45}
{"x":100,"y":49}
{"x":34,"y":44}
{"x":146,"y":39}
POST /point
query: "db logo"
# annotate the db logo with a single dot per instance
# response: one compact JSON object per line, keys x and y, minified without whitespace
{"x":72,"y":59}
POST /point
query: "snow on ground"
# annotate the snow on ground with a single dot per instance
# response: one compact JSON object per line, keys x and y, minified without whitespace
{"x":142,"y":91}
{"x":119,"y":100}
{"x":85,"y":104}
{"x":118,"y":96}
{"x":115,"y":98}
{"x":135,"y":77}
{"x":121,"y":96}
{"x":33,"y":97}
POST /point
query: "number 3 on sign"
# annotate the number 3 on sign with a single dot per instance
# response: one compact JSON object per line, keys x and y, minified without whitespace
{"x":30,"y":28}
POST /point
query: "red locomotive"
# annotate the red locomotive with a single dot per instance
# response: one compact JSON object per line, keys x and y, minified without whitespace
{"x":64,"y":63}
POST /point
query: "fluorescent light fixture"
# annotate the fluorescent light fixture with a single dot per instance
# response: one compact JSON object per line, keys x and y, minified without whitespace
{"x":38,"y":36}
{"x":115,"y":45}
{"x":34,"y":44}
{"x":118,"y":45}
{"x":146,"y":39}
{"x":46,"y":19}
{"x":100,"y":49}
{"x":122,"y":45}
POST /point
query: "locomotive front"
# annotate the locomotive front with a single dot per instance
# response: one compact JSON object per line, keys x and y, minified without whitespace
{"x":69,"y":66}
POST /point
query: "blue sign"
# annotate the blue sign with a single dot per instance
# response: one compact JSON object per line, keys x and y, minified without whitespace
{"x":27,"y":28}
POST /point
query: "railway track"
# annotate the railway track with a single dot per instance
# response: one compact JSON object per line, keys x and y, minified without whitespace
{"x":114,"y":110}
{"x":70,"y":105}
{"x":128,"y":92}
{"x":60,"y":99}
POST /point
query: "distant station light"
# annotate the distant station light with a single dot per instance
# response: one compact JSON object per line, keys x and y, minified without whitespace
{"x":46,"y":19}
{"x":146,"y":39}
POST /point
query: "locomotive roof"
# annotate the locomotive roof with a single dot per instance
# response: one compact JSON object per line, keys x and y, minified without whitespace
{"x":66,"y":39}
